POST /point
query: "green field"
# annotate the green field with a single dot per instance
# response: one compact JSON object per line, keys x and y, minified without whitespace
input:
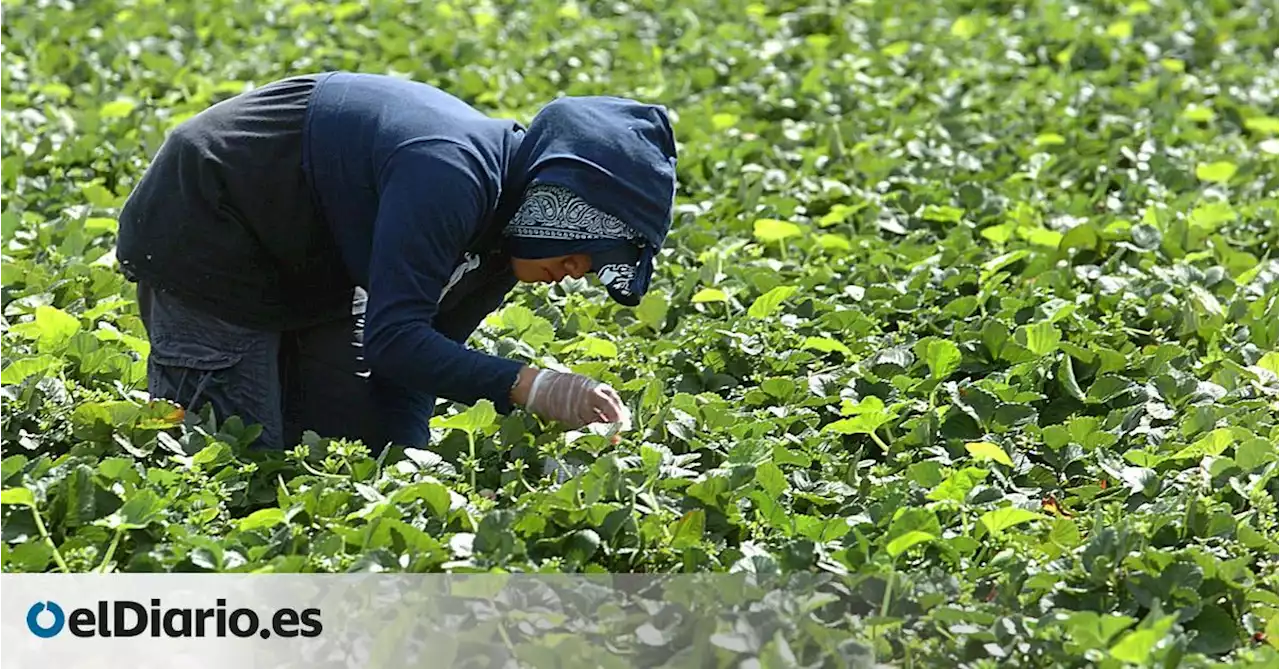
{"x":973,"y":305}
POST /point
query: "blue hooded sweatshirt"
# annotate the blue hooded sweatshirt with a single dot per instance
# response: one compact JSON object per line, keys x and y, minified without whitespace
{"x":416,"y":186}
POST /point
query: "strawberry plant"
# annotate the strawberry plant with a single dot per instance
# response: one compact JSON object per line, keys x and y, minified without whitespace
{"x":969,"y":308}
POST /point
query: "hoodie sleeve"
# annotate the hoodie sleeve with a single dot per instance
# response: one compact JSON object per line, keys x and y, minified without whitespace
{"x":430,"y":200}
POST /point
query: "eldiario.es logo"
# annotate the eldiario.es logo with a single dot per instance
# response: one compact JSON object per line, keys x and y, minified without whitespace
{"x":125,"y":618}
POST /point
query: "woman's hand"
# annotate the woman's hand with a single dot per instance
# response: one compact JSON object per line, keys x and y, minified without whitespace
{"x":571,"y":399}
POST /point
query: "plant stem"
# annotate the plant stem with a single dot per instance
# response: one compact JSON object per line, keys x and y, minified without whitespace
{"x":888,"y":591}
{"x":111,"y":551}
{"x":506,"y":638}
{"x":44,"y":534}
{"x":471,"y":448}
{"x":879,"y":442}
{"x":520,"y":475}
{"x":317,"y":472}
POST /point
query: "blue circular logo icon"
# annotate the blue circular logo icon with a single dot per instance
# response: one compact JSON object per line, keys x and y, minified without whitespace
{"x":33,"y":619}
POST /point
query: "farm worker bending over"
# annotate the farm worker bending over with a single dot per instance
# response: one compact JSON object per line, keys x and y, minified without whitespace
{"x":264,"y":221}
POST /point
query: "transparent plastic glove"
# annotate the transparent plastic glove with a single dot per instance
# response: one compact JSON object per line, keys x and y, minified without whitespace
{"x":613,"y":431}
{"x":574,"y":400}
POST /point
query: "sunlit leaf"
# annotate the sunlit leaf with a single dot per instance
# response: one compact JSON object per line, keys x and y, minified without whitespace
{"x":769,"y":303}
{"x":710,"y":295}
{"x":985,"y":450}
{"x":20,"y":496}
{"x":965,"y":28}
{"x":1002,"y":519}
{"x":771,"y":230}
{"x":1218,"y":172}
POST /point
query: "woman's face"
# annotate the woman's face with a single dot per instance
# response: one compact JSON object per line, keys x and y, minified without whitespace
{"x":551,"y":270}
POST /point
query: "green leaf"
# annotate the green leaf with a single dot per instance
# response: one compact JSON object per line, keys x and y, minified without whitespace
{"x":479,"y":416}
{"x":23,"y":369}
{"x":771,"y":478}
{"x":1040,"y":338}
{"x":983,"y":451}
{"x":826,"y":345}
{"x":1255,"y":452}
{"x":1209,"y":216}
{"x":524,"y":324}
{"x":30,"y":557}
{"x":904,"y":542}
{"x":594,"y":347}
{"x":119,"y":108}
{"x":927,"y":474}
{"x":958,"y":485}
{"x":1050,"y":139}
{"x":434,"y":493}
{"x":582,"y":545}
{"x":1216,"y":631}
{"x":965,"y":27}
{"x":1216,"y":172}
{"x":1214,"y":443}
{"x":896,"y":49}
{"x":1065,"y":533}
{"x":1067,"y":377}
{"x":769,"y":230}
{"x":1107,"y":388}
{"x":769,"y":303}
{"x":1081,"y":237}
{"x":1121,"y":29}
{"x":1198,"y":114}
{"x":1263,"y":125}
{"x":864,"y":423}
{"x":1207,"y":302}
{"x":912,"y":519}
{"x":710,"y":295}
{"x":834,"y":242}
{"x":1004,"y":518}
{"x":994,"y":265}
{"x":1137,"y":646}
{"x":10,"y":222}
{"x":1094,"y":631}
{"x":943,"y":358}
{"x":1270,"y":362}
{"x":261,"y":519}
{"x":350,"y":10}
{"x":1042,"y":237}
{"x":961,"y":307}
{"x":780,"y":388}
{"x":689,"y":529}
{"x":652,"y":310}
{"x":52,"y":328}
{"x":999,"y":234}
{"x":19,"y":496}
{"x":139,"y":510}
{"x":942,"y":214}
{"x":724,"y":121}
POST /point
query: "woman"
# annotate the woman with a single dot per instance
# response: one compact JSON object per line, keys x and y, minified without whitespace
{"x":264,"y":221}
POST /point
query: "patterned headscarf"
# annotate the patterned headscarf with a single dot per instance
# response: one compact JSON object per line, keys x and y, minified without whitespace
{"x":553,"y":221}
{"x":556,"y":214}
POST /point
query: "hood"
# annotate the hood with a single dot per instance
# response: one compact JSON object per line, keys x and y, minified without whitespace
{"x":617,"y":154}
